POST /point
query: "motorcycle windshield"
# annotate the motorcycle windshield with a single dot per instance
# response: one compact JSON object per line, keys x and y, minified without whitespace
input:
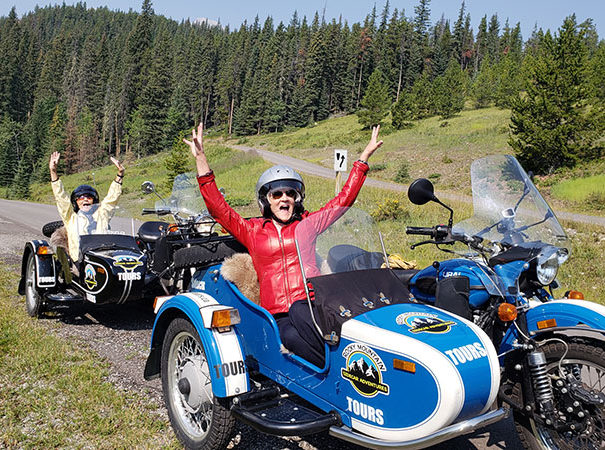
{"x":336,"y":240}
{"x":185,"y":198}
{"x":507,"y":207}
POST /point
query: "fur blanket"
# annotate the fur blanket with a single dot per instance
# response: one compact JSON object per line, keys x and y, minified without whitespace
{"x":59,"y":239}
{"x":239,"y":270}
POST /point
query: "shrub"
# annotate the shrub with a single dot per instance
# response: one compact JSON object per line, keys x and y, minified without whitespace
{"x":595,"y":200}
{"x":379,"y":166}
{"x":237,"y":201}
{"x":403,"y":173}
{"x":390,"y":209}
{"x":434,"y":176}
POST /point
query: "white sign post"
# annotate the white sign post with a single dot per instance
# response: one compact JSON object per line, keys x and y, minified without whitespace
{"x":340,"y":165}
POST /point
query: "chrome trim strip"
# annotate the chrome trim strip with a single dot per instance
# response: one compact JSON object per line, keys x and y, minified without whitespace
{"x":457,"y":429}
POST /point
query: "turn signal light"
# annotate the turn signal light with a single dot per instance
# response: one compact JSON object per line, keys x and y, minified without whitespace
{"x":507,"y":312}
{"x":224,"y":318}
{"x":44,"y":250}
{"x":575,"y":295}
{"x":406,"y":366}
{"x":547,"y":324}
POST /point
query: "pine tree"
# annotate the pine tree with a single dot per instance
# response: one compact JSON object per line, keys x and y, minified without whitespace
{"x":10,"y":147}
{"x":450,"y":90}
{"x":552,"y":125}
{"x":482,"y":92}
{"x":376,"y":101}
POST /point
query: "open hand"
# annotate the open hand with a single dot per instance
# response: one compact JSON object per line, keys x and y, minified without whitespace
{"x":372,"y":146}
{"x":118,"y":165}
{"x":196,"y":144}
{"x":54,"y":161}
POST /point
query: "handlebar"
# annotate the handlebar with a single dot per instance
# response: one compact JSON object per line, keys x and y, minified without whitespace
{"x":159,"y":212}
{"x":424,"y":231}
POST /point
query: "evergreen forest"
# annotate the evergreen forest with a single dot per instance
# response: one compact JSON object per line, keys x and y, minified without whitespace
{"x":94,"y":82}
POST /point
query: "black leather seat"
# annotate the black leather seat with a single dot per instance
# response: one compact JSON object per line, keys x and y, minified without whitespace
{"x":151,"y":231}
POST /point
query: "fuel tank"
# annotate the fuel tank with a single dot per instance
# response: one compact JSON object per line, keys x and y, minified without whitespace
{"x":423,"y":284}
{"x":404,"y":371}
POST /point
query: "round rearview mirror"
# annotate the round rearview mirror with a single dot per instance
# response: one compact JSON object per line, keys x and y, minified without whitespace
{"x":421,"y":191}
{"x":147,"y":187}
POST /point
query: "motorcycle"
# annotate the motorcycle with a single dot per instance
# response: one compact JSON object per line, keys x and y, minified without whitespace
{"x":551,"y":349}
{"x":117,"y":265}
{"x":391,"y":377}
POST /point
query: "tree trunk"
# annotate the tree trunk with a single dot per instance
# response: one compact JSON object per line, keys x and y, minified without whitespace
{"x":231,"y":114}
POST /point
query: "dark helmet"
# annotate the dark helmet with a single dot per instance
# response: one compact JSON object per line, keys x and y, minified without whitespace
{"x":279,"y":177}
{"x":83,"y":189}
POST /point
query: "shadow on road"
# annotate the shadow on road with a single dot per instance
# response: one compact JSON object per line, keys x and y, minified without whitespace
{"x":132,"y":316}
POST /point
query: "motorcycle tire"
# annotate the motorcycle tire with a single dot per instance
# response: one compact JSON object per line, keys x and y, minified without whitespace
{"x":33,"y":299}
{"x":588,"y":362}
{"x":51,"y":227}
{"x":198,"y":418}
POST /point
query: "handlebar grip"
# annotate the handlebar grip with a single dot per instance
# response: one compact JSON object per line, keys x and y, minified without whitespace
{"x":148,"y":211}
{"x":424,"y":231}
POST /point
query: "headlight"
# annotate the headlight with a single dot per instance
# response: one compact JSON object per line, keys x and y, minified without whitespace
{"x":549,"y":260}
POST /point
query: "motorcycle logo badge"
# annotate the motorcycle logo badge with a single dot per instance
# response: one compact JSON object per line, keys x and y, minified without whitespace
{"x":90,"y":276}
{"x":364,"y":370}
{"x":424,"y":323}
{"x":127,"y":262}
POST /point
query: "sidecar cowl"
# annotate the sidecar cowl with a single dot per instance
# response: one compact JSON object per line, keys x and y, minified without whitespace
{"x":406,"y":371}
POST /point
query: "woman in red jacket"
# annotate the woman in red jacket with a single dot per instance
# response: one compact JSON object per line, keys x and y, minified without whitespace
{"x":280,"y":192}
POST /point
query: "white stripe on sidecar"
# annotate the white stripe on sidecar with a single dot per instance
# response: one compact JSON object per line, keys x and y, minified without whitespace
{"x":492,"y":355}
{"x":450,"y":388}
{"x":229,"y":349}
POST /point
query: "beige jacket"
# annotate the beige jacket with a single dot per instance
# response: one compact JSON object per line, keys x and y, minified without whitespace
{"x":76,"y":225}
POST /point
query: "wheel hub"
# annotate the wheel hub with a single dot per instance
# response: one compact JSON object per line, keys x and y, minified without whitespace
{"x":191,"y":384}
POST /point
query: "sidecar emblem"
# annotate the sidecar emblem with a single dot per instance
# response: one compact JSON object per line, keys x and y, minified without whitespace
{"x":90,"y":276}
{"x":364,"y":370}
{"x":425,"y":323}
{"x":127,"y":262}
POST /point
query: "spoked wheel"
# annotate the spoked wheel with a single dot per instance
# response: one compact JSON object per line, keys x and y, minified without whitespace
{"x":583,"y":421}
{"x":33,"y":299}
{"x":199,"y":419}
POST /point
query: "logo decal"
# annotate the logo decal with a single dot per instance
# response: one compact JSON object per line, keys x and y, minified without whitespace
{"x":127,"y":262}
{"x":364,"y":370}
{"x":425,"y":323}
{"x":230,"y":369}
{"x":90,"y":276}
{"x":470,"y":352}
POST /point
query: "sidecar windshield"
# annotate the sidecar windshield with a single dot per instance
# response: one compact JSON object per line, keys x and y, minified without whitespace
{"x":185,"y":198}
{"x":335,"y":240}
{"x":507,"y":206}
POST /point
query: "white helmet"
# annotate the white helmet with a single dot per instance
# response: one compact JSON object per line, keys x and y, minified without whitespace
{"x":278,"y":177}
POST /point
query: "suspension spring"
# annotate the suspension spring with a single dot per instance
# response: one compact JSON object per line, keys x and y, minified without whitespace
{"x":542,"y":388}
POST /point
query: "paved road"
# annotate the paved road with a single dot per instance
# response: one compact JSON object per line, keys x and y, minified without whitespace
{"x":320,"y":171}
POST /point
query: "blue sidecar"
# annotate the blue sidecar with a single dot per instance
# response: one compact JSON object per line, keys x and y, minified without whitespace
{"x":398,"y":374}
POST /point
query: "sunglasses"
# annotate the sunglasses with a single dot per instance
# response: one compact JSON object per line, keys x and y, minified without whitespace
{"x":278,"y":193}
{"x":83,"y":196}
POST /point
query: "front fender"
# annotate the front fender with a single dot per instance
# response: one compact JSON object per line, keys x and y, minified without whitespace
{"x":223,"y":350}
{"x":46,"y":274}
{"x":584,"y":315}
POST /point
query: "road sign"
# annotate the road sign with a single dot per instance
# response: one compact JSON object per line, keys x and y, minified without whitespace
{"x":340,"y":160}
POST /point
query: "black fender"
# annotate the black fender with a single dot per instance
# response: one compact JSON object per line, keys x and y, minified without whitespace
{"x":46,"y":270}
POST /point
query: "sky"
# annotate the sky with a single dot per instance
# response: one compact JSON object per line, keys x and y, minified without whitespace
{"x":547,"y":14}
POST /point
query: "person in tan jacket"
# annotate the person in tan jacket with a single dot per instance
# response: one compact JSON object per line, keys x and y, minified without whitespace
{"x":81,"y":211}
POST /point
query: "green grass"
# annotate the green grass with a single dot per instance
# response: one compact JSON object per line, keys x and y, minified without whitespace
{"x":579,"y":190}
{"x":429,"y":148}
{"x":55,"y":395}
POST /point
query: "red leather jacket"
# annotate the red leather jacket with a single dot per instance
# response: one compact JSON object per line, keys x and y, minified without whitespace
{"x":274,"y":253}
